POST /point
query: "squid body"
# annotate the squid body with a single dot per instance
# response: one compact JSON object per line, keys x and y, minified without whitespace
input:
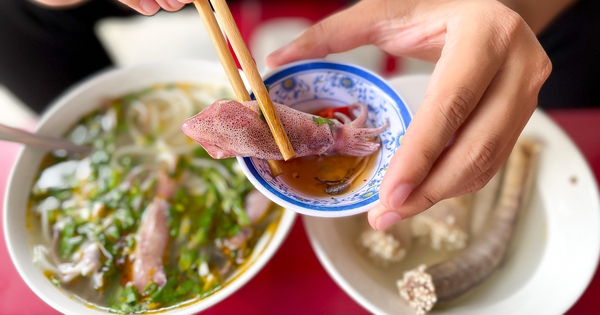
{"x":229,"y":128}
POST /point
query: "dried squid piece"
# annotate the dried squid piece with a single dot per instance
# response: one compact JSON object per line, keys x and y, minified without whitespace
{"x":446,"y":224}
{"x":257,"y":207}
{"x":387,"y":246}
{"x":229,"y":128}
{"x":153,"y":237}
{"x":442,"y":282}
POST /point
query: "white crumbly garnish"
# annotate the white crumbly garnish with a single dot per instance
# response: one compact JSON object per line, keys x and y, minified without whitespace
{"x":416,"y":288}
{"x":440,"y":234}
{"x":382,"y":247}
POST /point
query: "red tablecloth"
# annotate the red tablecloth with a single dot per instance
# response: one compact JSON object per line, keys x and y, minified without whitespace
{"x":294,"y":282}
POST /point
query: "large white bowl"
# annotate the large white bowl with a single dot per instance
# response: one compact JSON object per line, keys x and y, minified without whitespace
{"x":64,"y":113}
{"x":552,"y":257}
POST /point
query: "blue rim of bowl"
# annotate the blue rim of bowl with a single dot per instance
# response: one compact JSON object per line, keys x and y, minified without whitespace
{"x":302,"y":66}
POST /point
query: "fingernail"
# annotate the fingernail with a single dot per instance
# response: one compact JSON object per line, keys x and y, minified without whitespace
{"x":274,"y":56}
{"x":399,"y":195}
{"x":386,"y":220}
{"x":280,"y":50}
{"x":175,"y":4}
{"x":149,"y":6}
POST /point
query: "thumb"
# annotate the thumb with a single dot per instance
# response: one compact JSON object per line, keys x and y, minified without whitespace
{"x":381,"y":218}
{"x":340,"y":32}
{"x":146,"y":7}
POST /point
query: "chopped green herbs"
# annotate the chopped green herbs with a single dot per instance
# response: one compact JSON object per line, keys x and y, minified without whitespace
{"x":126,"y":300}
{"x":321,"y":120}
{"x":102,"y":201}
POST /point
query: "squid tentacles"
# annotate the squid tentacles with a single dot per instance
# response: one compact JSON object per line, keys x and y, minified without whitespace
{"x":229,"y":128}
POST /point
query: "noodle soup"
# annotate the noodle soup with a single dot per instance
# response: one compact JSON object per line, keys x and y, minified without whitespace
{"x":147,"y":221}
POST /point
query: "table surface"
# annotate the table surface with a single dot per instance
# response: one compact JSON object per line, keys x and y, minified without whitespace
{"x":287,"y":284}
{"x":293,"y":282}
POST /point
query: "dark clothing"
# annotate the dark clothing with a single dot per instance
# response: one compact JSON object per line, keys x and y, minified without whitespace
{"x":572,"y":42}
{"x":44,"y":51}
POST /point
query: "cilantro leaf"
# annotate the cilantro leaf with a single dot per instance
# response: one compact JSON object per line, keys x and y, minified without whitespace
{"x":321,"y":120}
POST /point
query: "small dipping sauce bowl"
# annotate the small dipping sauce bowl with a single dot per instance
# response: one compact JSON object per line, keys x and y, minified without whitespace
{"x":314,"y":85}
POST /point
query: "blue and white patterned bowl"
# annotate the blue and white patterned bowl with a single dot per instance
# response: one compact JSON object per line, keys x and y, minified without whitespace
{"x":307,"y":86}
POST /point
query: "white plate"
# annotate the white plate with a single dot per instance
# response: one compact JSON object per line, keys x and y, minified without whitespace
{"x":552,"y":257}
{"x":65,"y":112}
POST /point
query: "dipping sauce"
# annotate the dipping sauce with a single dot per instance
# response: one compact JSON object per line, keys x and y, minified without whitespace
{"x":326,"y":175}
{"x":300,"y":173}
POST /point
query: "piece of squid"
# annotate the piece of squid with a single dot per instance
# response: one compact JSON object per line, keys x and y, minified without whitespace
{"x":87,"y":263}
{"x":229,"y":128}
{"x":423,"y":287}
{"x":153,"y":238}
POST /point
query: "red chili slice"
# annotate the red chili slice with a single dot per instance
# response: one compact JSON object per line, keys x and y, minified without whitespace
{"x":328,"y":112}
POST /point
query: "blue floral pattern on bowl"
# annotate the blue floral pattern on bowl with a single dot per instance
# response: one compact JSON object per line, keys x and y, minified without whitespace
{"x":312,"y":85}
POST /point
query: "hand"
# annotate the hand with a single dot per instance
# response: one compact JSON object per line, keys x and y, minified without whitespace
{"x":484,"y":88}
{"x":59,"y":3}
{"x":150,"y":7}
{"x":147,"y":7}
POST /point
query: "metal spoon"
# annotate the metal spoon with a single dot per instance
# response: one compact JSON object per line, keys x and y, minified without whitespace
{"x":17,"y":135}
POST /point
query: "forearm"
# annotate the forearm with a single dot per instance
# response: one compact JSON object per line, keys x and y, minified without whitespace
{"x":538,"y":13}
{"x":59,"y":3}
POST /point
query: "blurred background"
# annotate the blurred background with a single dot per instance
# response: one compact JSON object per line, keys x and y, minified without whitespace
{"x":45,"y":51}
{"x":58,"y":46}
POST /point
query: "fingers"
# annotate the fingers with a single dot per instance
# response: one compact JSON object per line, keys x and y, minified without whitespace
{"x":146,"y":7}
{"x":59,"y":3}
{"x":479,"y":182}
{"x":340,"y":32}
{"x":170,"y":5}
{"x":487,"y":133}
{"x":459,"y":80}
{"x":150,"y":7}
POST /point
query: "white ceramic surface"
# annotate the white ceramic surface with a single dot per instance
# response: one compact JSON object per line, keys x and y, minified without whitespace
{"x":551,"y":259}
{"x":65,"y":112}
{"x":314,"y":85}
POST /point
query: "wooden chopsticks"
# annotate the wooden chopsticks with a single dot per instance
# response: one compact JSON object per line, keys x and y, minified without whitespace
{"x":249,"y":68}
{"x":233,"y":74}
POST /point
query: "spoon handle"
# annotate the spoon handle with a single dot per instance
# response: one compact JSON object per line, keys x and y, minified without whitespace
{"x":17,"y":135}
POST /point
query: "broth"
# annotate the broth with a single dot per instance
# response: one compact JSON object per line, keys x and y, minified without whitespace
{"x":300,"y":173}
{"x":307,"y":174}
{"x":88,"y":212}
